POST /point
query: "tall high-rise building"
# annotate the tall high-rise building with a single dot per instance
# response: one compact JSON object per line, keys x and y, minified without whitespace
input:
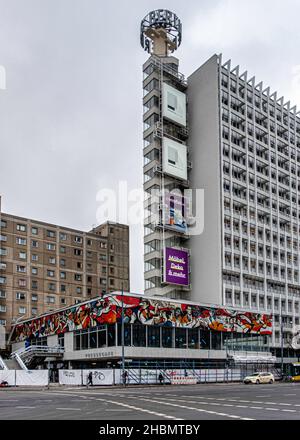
{"x":240,"y":143}
{"x":45,"y":266}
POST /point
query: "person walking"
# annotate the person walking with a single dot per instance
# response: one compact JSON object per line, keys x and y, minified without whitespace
{"x":90,"y":379}
{"x":125,"y":377}
{"x":161,"y":378}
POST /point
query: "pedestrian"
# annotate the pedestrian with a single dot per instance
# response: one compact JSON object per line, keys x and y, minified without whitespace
{"x":90,"y":378}
{"x":161,"y":378}
{"x":125,"y":376}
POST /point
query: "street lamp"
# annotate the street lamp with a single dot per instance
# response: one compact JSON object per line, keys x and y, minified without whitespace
{"x":281,"y":334}
{"x":122,"y":337}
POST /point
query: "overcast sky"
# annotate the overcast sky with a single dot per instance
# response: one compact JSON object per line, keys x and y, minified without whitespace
{"x":71,"y":114}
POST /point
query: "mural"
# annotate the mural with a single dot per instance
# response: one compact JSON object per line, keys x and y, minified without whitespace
{"x":107,"y":309}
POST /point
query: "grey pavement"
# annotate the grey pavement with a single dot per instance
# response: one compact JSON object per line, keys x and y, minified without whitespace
{"x":280,"y":401}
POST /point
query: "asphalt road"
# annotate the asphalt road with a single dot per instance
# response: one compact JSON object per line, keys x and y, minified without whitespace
{"x":280,"y":401}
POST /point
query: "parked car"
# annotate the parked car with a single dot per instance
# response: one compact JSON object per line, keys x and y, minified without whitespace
{"x":260,"y":377}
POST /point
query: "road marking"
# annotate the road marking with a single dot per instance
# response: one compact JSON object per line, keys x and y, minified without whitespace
{"x":25,"y":407}
{"x":166,"y":416}
{"x":9,"y":400}
{"x":119,"y":409}
{"x":272,"y":409}
{"x":69,"y":409}
{"x":289,"y":410}
{"x":290,"y":394}
{"x":161,"y":402}
{"x":256,"y":407}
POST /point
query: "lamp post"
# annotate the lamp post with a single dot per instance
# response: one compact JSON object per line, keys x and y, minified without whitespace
{"x":281,"y":334}
{"x":122,"y":338}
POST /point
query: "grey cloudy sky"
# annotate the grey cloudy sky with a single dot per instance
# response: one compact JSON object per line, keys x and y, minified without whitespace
{"x":71,"y":116}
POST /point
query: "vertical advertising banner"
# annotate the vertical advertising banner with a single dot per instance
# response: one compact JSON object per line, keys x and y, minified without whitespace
{"x":176,"y":270}
{"x":174,"y":104}
{"x":174,"y":158}
{"x":176,"y":208}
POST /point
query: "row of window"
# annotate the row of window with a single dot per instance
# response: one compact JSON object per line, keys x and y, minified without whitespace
{"x":258,"y":101}
{"x":256,"y":284}
{"x":52,"y":286}
{"x":166,"y":337}
{"x":62,"y":274}
{"x":248,"y":228}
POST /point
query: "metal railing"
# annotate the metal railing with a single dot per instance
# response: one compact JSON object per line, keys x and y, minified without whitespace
{"x":3,"y":366}
{"x":25,"y":355}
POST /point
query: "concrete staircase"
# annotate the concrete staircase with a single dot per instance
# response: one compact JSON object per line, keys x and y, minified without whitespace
{"x":12,"y":364}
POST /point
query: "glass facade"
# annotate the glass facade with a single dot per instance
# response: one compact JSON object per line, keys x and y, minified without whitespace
{"x":136,"y":335}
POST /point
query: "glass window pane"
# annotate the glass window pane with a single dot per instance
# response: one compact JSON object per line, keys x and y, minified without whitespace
{"x":153,"y":336}
{"x":139,"y":335}
{"x":111,"y":334}
{"x":167,"y":337}
{"x":180,"y":338}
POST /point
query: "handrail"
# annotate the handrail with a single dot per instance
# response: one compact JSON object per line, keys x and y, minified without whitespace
{"x":20,"y":362}
{"x":3,"y":364}
{"x":31,"y":349}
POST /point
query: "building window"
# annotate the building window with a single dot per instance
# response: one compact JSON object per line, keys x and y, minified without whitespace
{"x":3,"y":322}
{"x":34,"y":297}
{"x":62,"y":249}
{"x":34,"y":243}
{"x":78,"y":290}
{"x":50,"y":299}
{"x":21,"y":241}
{"x":77,"y":239}
{"x":77,"y":252}
{"x":50,"y":246}
{"x":2,"y":280}
{"x":34,"y":310}
{"x":63,"y":300}
{"x":3,"y":252}
{"x":3,"y":223}
{"x":77,"y":277}
{"x":22,"y":255}
{"x":34,"y":284}
{"x":50,"y":234}
{"x":21,"y":269}
{"x":34,"y":257}
{"x":63,"y":236}
{"x":50,"y":273}
{"x":2,"y":294}
{"x":22,"y":310}
{"x":63,"y":275}
{"x":34,"y":230}
{"x":21,"y":228}
{"x":63,"y":288}
{"x":20,"y":296}
{"x":22,"y":283}
{"x":52,"y":260}
{"x":51,"y":286}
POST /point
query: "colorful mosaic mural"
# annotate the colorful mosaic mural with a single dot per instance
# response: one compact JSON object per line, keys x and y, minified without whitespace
{"x":107,"y":309}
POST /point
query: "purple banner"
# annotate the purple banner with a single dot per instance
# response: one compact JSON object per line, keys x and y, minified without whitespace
{"x":176,"y":267}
